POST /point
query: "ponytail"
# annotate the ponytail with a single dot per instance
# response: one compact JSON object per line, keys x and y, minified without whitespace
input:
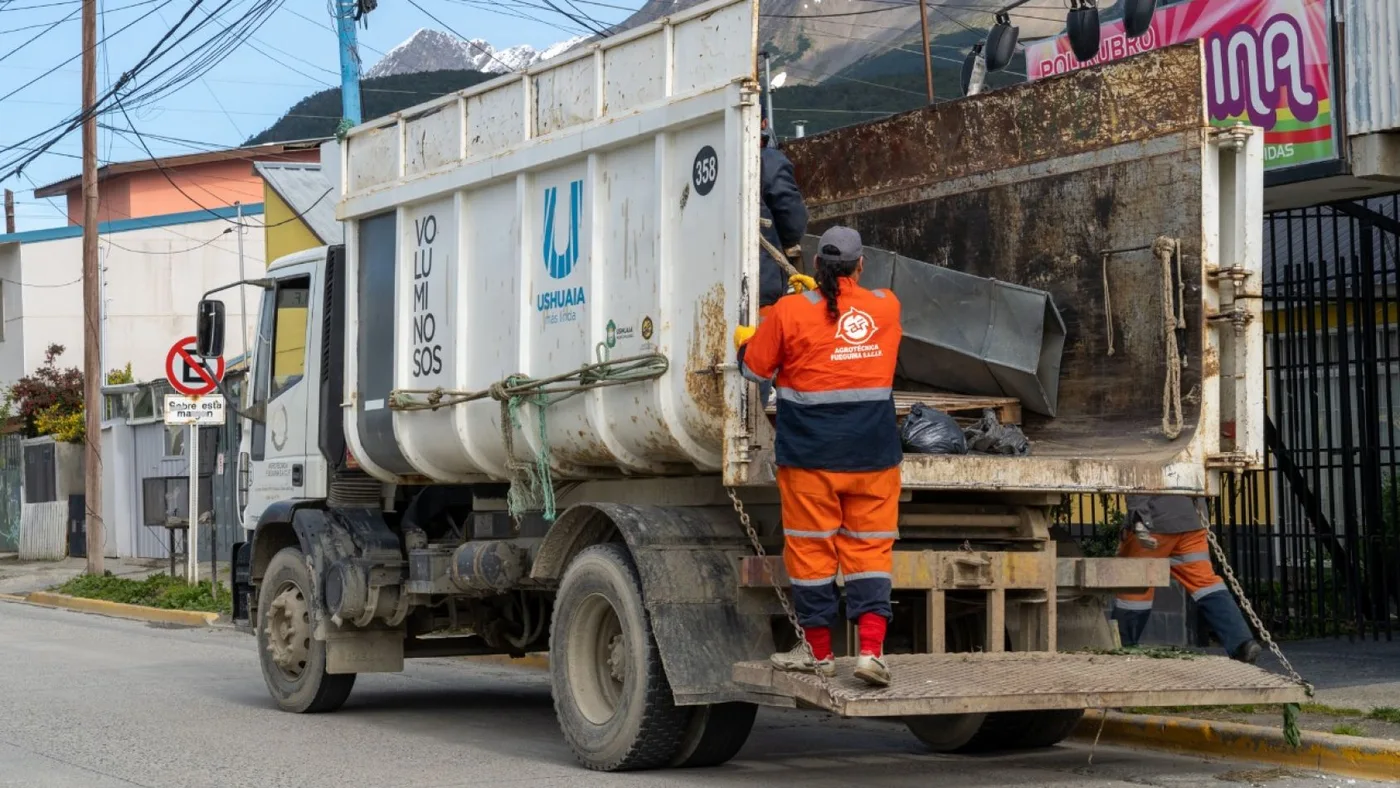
{"x":829,"y":282}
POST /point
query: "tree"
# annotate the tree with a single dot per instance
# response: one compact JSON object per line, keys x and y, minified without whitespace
{"x":50,"y":401}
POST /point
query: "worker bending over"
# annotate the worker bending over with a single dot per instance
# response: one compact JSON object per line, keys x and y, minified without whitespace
{"x":1173,"y":526}
{"x":833,"y":353}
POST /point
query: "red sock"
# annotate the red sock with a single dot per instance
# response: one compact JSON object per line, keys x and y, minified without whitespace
{"x":819,"y":638}
{"x":872,"y":633}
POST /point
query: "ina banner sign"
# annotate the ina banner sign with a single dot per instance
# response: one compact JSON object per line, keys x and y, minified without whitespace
{"x":1268,"y":64}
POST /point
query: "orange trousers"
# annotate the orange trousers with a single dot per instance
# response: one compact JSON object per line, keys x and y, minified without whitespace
{"x":846,"y":522}
{"x":1190,"y":565}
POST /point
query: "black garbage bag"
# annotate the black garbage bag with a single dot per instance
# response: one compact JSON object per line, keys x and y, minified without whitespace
{"x":931,"y":431}
{"x":990,"y":436}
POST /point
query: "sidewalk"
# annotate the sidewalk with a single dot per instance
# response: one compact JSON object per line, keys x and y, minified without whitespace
{"x":21,"y":577}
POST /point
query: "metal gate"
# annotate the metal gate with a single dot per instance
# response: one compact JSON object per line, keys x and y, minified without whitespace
{"x":11,"y":484}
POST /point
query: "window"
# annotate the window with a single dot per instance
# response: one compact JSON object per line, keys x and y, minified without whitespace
{"x":289,"y":335}
{"x":175,"y":440}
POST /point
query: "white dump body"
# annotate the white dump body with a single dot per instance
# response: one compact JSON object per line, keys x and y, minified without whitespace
{"x":604,"y":201}
{"x":606,"y":204}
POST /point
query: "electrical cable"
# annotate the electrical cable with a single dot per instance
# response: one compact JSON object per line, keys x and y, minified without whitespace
{"x":39,"y":35}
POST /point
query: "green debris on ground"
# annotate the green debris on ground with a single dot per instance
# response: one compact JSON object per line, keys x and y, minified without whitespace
{"x":1347,"y":729}
{"x":1385,"y":714}
{"x":160,"y":590}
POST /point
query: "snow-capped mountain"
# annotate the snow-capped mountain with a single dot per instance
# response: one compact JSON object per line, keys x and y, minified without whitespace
{"x":434,"y":50}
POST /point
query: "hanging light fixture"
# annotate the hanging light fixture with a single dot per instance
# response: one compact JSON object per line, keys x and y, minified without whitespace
{"x":974,"y":70}
{"x":1137,"y":16}
{"x":1001,"y":42}
{"x":1083,"y":27}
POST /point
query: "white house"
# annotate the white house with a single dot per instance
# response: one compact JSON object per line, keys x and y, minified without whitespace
{"x":154,"y":270}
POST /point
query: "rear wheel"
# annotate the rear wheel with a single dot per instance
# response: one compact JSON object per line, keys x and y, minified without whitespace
{"x":945,"y":732}
{"x":610,"y":691}
{"x":293,"y":661}
{"x":1024,"y":730}
{"x":716,"y":734}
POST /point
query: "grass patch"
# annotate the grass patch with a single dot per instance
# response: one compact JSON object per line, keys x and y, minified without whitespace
{"x":1385,"y":714}
{"x":1347,"y":729}
{"x":162,"y":591}
{"x":1330,"y":711}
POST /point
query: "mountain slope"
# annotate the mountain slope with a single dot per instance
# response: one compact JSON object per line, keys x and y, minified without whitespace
{"x":434,"y":50}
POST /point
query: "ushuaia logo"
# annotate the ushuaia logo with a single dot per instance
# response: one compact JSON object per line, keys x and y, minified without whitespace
{"x":1248,"y":69}
{"x":560,"y":264}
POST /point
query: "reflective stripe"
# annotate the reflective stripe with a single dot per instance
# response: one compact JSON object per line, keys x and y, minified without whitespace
{"x":1210,"y":589}
{"x":1189,"y":558}
{"x":812,"y":296}
{"x":823,"y":581}
{"x":808,"y":534}
{"x":869,"y":576}
{"x":869,"y":534}
{"x":878,"y":293}
{"x":835,"y":395}
{"x":1132,"y":604}
{"x":750,"y":374}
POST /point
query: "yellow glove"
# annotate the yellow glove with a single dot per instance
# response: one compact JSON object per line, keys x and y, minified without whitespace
{"x":742,"y":334}
{"x":801,"y":282}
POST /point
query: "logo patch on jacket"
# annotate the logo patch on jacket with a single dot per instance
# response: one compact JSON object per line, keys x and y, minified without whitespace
{"x":856,"y":329}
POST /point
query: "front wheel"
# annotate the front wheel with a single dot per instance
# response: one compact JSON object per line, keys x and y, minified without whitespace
{"x":293,"y":661}
{"x":610,"y":691}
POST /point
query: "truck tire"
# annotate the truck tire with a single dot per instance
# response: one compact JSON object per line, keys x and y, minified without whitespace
{"x":611,"y":695}
{"x":945,"y":732}
{"x":293,"y":662}
{"x":1024,"y":730}
{"x":716,"y":734}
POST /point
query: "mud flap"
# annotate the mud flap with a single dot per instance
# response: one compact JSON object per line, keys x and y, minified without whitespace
{"x":688,"y":562}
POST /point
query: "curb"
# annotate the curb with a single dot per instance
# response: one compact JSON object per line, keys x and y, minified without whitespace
{"x":189,"y":618}
{"x":1352,"y":756}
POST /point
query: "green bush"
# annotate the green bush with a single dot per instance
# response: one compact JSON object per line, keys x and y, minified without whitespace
{"x":162,"y":591}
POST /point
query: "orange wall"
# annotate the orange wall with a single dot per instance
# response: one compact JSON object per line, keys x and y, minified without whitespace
{"x":150,"y":193}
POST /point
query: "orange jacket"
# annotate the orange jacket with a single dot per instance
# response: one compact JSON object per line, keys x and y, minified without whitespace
{"x":835,"y":379}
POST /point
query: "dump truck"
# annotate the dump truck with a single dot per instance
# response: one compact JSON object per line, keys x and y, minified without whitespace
{"x":505,"y":416}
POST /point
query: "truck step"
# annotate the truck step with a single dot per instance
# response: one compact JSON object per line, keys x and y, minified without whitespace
{"x":1023,"y":681}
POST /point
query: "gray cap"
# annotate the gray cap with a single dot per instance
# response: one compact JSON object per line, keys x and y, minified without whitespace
{"x":840,"y":244}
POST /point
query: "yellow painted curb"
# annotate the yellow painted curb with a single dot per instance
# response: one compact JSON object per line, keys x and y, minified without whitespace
{"x":1352,"y":756}
{"x":11,"y":597}
{"x":538,"y":661}
{"x":190,"y":618}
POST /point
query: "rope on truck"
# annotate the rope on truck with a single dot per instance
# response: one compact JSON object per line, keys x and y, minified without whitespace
{"x":1167,"y":250}
{"x":531,"y":481}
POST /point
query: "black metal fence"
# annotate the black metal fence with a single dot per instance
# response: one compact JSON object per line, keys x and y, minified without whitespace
{"x":1314,"y":538}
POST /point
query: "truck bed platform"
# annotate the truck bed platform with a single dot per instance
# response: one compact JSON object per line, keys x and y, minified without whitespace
{"x":980,"y":682}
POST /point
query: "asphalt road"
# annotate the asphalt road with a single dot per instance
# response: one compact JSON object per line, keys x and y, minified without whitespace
{"x":98,"y":703}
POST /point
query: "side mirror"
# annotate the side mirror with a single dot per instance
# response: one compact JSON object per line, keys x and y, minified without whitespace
{"x":209,"y":328}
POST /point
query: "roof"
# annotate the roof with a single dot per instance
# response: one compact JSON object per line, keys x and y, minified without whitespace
{"x":125,"y":225}
{"x":141,"y":165}
{"x":306,"y":190}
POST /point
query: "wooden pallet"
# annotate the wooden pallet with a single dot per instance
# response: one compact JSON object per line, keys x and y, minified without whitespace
{"x":1008,"y":409}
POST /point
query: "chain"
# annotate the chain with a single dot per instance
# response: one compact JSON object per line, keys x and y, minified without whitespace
{"x":1248,"y":608}
{"x":777,"y":587}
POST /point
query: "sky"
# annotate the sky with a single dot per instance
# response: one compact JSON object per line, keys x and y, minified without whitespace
{"x":291,"y":56}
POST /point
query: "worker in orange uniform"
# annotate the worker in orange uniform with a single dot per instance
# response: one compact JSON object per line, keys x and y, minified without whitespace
{"x":1173,"y":526}
{"x":833,"y":350}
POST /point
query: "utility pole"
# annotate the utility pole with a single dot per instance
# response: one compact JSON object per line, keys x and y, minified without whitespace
{"x":92,"y":301}
{"x":928,"y":58}
{"x":349,"y":64}
{"x":9,"y":211}
{"x":242,"y":291}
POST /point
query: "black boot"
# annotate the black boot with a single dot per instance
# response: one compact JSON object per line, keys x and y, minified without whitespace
{"x":1248,"y":652}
